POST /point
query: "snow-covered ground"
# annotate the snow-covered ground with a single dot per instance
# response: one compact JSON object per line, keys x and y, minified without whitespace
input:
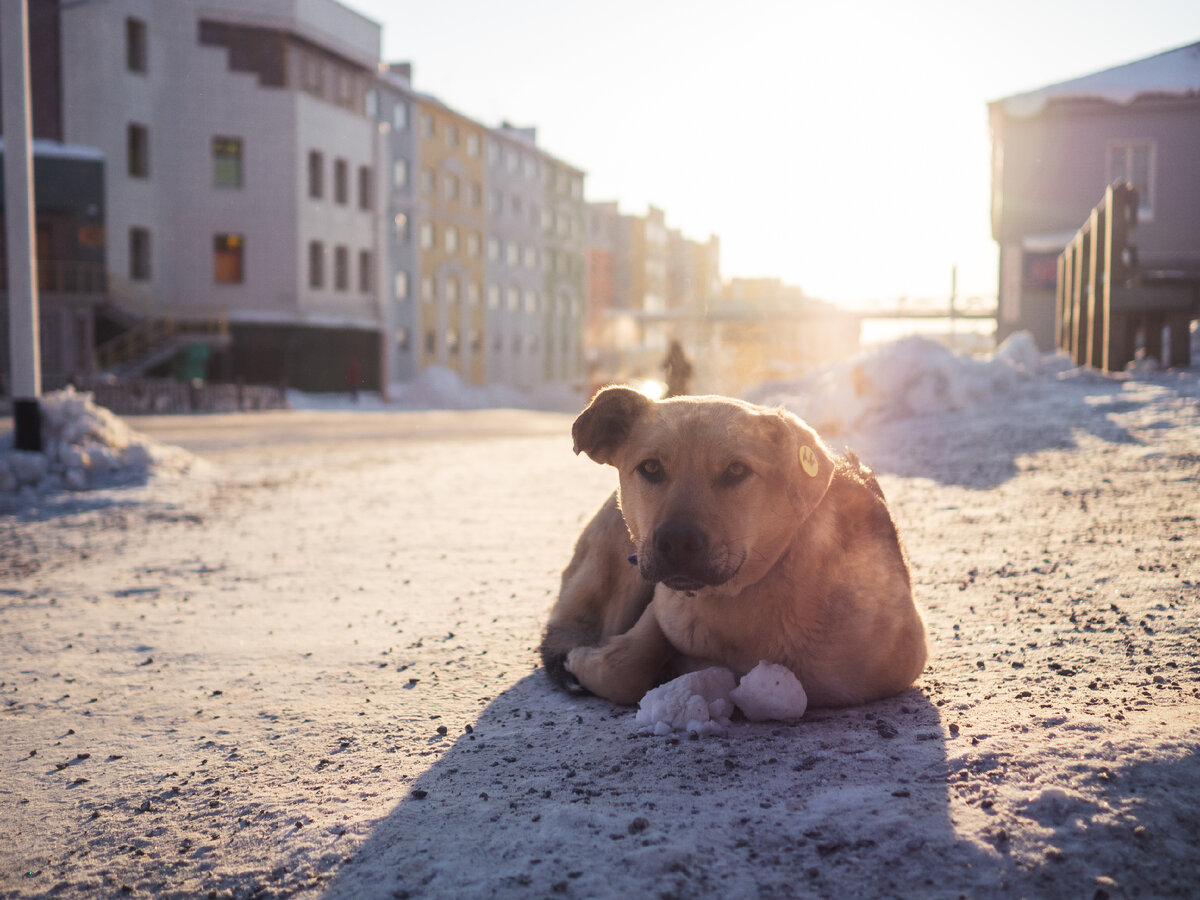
{"x":312,"y":671}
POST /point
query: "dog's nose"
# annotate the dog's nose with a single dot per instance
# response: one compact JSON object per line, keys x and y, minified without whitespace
{"x":680,"y":546}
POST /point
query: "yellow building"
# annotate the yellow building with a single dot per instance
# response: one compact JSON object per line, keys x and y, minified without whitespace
{"x":451,"y":235}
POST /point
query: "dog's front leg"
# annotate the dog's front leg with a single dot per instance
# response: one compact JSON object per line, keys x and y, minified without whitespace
{"x":627,"y":665}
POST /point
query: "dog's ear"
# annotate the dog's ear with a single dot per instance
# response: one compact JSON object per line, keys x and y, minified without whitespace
{"x":605,"y":424}
{"x":809,"y":464}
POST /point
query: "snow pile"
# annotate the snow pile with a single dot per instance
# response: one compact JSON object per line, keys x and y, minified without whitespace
{"x":703,"y":701}
{"x":440,"y":388}
{"x":909,"y":377}
{"x":83,"y":445}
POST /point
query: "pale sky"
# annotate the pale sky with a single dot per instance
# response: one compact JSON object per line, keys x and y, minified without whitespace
{"x":842,"y":146}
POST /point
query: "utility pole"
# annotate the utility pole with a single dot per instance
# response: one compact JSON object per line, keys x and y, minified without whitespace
{"x":23,"y":340}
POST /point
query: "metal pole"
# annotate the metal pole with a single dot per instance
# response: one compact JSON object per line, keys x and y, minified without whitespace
{"x":19,"y":222}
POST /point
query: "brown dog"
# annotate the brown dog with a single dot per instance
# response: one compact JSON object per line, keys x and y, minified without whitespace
{"x":750,"y":541}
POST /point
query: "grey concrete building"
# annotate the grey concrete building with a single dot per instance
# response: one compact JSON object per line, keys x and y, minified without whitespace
{"x":394,"y":105}
{"x":240,"y":171}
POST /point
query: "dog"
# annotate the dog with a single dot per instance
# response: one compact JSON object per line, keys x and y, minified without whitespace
{"x":735,"y":536}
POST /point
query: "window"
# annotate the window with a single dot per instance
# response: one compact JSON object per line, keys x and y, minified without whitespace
{"x":427,"y":127}
{"x":401,"y":285}
{"x":400,"y":116}
{"x":473,"y":294}
{"x":364,"y":187}
{"x":472,"y":144}
{"x":402,"y":340}
{"x":427,"y":236}
{"x":493,"y":252}
{"x":452,"y":341}
{"x":341,"y":268}
{"x":228,"y":254}
{"x":451,"y":136}
{"x":139,"y":254}
{"x":472,"y":243}
{"x":451,"y":239}
{"x":400,"y":173}
{"x":316,"y":264}
{"x":450,"y":186}
{"x":364,"y":271}
{"x":493,"y":296}
{"x":531,"y":301}
{"x":372,"y":101}
{"x":427,"y":289}
{"x":530,"y":258}
{"x":513,"y":256}
{"x":476,"y":194}
{"x":1133,"y":161}
{"x":427,"y":181}
{"x":341,"y":181}
{"x":135,"y":45}
{"x":514,"y":299}
{"x":316,"y":171}
{"x":430,"y":341}
{"x":400,"y":224}
{"x":476,"y":340}
{"x":138,"y":151}
{"x":227,"y":162}
{"x":452,"y":290}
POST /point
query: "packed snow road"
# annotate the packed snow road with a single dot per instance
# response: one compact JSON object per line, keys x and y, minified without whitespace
{"x":309,"y":670}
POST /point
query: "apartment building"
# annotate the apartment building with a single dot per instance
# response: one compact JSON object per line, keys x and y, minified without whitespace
{"x":394,"y":105}
{"x":515,"y":258}
{"x":693,"y":272}
{"x":564,"y":230}
{"x":450,"y":236}
{"x":239,"y":176}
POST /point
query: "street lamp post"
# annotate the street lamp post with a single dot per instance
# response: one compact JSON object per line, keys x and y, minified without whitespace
{"x":19,"y":223}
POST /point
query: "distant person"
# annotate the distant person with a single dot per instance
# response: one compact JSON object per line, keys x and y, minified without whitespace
{"x":679,"y":371}
{"x":353,"y":376}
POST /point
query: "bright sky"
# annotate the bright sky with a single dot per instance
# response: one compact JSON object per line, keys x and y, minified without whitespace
{"x":842,"y":146}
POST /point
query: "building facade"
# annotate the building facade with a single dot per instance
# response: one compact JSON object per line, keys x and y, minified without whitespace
{"x":258,"y":204}
{"x":394,"y":105}
{"x":1055,"y":150}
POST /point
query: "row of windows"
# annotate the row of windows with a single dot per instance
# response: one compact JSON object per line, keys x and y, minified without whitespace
{"x":228,"y":256}
{"x":341,"y":267}
{"x":518,"y":343}
{"x":451,"y":135}
{"x":341,"y":180}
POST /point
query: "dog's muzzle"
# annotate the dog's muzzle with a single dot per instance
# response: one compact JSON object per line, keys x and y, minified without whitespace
{"x":679,"y":555}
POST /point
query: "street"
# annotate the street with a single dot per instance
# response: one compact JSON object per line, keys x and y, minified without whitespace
{"x":310,"y":671}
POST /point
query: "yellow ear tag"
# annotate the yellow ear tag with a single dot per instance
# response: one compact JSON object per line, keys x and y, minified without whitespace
{"x":808,"y":461}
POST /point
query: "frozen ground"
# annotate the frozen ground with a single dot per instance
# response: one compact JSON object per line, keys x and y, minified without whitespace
{"x":308,"y":669}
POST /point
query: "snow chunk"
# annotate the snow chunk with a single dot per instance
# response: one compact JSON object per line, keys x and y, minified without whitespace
{"x":697,"y":701}
{"x":83,"y":445}
{"x":770,"y":691}
{"x":703,"y":701}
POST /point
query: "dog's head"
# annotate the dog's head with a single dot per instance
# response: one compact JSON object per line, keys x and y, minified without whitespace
{"x":712,"y":489}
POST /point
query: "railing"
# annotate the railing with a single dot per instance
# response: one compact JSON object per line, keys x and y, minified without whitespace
{"x":59,"y":276}
{"x":1105,"y":302}
{"x":153,"y":331}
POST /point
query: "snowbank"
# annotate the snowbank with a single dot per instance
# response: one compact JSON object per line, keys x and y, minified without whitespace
{"x":440,"y":388}
{"x":702,"y":702}
{"x":908,"y":377}
{"x":83,"y":446}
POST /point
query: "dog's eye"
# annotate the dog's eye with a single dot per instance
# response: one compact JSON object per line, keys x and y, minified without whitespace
{"x":652,"y":470}
{"x":735,"y":473}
